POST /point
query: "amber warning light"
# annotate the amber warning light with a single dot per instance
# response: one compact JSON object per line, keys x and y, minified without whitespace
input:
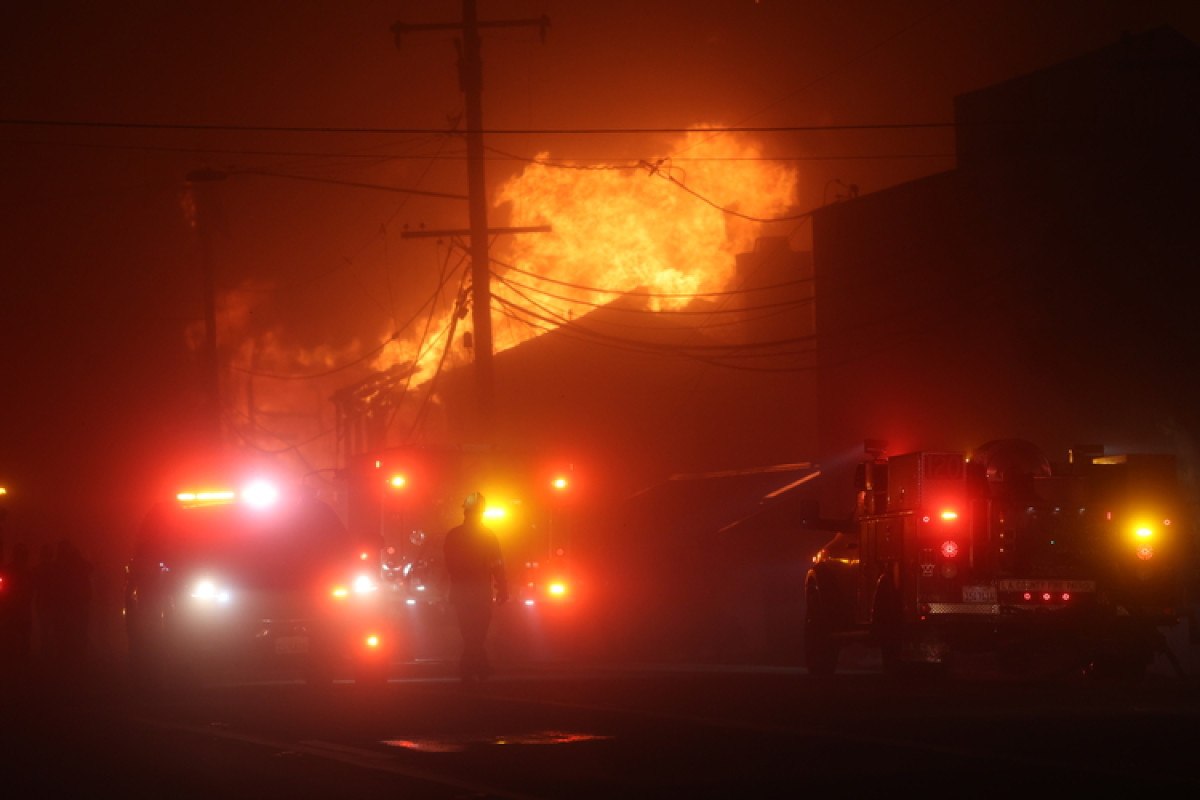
{"x":259,"y":493}
{"x":202,"y":497}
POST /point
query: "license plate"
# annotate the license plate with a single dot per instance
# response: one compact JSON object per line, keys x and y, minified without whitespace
{"x":291,"y":645}
{"x":979,"y":594}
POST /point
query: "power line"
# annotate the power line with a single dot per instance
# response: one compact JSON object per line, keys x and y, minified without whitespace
{"x":685,"y":312}
{"x":354,"y":184}
{"x":580,"y":163}
{"x":646,"y":348}
{"x":716,"y":129}
{"x":371,"y":353}
{"x":714,"y":348}
{"x":657,"y":169}
{"x":653,"y":295}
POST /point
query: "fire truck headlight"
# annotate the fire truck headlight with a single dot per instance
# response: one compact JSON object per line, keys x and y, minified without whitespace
{"x":364,"y":585}
{"x":260,"y":494}
{"x":209,"y":592}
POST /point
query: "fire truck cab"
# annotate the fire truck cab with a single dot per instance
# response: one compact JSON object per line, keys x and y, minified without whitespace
{"x":251,"y":583}
{"x":1002,"y":554}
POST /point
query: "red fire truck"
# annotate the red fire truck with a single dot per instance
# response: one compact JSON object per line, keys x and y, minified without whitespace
{"x":406,"y":498}
{"x":1001,"y":558}
{"x":237,"y":582}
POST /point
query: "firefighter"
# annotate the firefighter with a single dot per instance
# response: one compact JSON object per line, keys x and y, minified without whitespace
{"x":16,"y":609}
{"x":475,"y":570}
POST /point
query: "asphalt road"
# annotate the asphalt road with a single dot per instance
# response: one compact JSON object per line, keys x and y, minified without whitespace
{"x":589,"y":730}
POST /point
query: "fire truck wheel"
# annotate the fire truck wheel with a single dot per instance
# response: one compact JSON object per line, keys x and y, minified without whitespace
{"x":820,"y":649}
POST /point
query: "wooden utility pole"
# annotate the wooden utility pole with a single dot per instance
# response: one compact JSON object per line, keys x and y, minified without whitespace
{"x":199,"y":185}
{"x":471,"y":80}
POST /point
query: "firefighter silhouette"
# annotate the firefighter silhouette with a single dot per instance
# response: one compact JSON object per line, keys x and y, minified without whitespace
{"x":16,"y":608}
{"x":475,"y":569}
{"x":64,"y":595}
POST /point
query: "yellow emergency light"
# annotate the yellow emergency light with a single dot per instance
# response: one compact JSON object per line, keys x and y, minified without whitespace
{"x":206,"y":497}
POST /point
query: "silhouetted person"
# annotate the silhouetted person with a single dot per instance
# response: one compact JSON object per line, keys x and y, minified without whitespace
{"x":45,"y":632}
{"x":16,"y":609}
{"x":475,"y":569}
{"x":69,"y":598}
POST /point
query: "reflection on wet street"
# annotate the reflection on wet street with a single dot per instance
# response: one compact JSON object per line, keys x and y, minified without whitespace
{"x":455,"y":744}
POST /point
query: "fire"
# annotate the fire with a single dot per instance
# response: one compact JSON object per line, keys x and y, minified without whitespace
{"x":662,"y":228}
{"x":641,"y":231}
{"x":664,"y":231}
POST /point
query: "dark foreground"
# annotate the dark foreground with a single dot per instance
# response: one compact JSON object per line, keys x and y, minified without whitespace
{"x":597,"y":731}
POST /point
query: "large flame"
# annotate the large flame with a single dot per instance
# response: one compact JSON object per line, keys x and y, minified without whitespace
{"x":669,"y":228}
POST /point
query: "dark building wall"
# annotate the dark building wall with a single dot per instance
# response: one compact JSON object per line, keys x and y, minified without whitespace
{"x":1046,"y":297}
{"x":1135,"y":99}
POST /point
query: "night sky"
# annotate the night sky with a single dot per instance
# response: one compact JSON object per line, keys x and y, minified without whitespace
{"x":106,"y":108}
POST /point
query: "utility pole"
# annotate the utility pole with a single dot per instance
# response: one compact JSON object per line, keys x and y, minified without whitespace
{"x":203,"y":211}
{"x":470,"y":77}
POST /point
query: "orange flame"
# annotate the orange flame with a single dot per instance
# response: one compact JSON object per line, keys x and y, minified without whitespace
{"x":670,"y":228}
{"x":666,"y":232}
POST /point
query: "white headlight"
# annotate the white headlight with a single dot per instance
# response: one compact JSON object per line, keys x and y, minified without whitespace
{"x":208,"y":591}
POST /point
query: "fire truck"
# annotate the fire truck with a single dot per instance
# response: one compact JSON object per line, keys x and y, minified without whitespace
{"x":1003,"y":560}
{"x":407,"y":498}
{"x":256,"y":581}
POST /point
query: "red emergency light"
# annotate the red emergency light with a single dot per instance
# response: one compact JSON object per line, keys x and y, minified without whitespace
{"x":945,"y":515}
